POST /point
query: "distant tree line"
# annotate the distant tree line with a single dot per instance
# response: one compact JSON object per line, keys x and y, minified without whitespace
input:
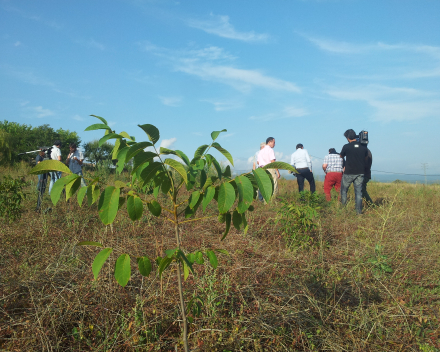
{"x":16,"y":138}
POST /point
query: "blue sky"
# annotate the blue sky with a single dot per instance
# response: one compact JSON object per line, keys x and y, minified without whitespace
{"x":302,"y":71}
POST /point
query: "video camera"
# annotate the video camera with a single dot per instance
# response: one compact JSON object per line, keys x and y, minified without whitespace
{"x":363,"y":138}
{"x":47,"y":152}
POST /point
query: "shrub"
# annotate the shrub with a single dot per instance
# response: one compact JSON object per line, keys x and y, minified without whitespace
{"x":11,"y":197}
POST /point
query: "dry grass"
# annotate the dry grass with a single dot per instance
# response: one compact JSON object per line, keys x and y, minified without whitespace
{"x":326,"y":295}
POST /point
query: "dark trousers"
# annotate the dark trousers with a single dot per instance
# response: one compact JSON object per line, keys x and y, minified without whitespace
{"x":365,"y":194}
{"x":305,"y":174}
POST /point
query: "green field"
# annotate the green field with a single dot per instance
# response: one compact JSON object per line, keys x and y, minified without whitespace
{"x":336,"y":282}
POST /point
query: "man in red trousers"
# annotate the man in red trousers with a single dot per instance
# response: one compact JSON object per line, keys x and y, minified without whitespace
{"x":333,"y":168}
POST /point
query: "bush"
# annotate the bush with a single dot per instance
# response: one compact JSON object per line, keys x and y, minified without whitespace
{"x":11,"y":197}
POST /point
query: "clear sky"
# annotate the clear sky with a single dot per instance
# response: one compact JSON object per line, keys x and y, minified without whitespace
{"x":302,"y":71}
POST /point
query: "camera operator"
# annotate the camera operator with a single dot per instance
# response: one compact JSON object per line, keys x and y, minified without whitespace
{"x":75,"y":161}
{"x":42,"y":178}
{"x":355,"y":163}
{"x":55,"y":155}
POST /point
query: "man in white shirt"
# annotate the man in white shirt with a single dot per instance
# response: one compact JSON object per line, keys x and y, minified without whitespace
{"x":255,"y":165}
{"x":75,"y":161}
{"x":300,"y":160}
{"x":267,"y":156}
{"x":55,"y":155}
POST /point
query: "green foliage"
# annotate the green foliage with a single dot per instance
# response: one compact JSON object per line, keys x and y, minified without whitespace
{"x":96,"y":153}
{"x":11,"y":198}
{"x":297,"y":222}
{"x":380,"y":262}
{"x":24,"y":138}
{"x":153,"y":173}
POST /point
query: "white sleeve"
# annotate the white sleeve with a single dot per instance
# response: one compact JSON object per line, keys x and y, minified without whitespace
{"x":309,"y":162}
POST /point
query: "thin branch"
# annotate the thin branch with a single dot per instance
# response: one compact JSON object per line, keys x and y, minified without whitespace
{"x":206,"y":217}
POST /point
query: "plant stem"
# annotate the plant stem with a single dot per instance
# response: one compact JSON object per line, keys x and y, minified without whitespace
{"x":179,"y":280}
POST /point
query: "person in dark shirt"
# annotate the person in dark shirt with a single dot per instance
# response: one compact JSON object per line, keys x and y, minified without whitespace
{"x":42,"y":178}
{"x":355,"y":163}
{"x":367,"y":177}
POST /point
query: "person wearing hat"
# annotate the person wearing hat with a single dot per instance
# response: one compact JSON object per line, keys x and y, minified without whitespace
{"x":300,"y":160}
{"x":356,"y":156}
{"x":332,"y":166}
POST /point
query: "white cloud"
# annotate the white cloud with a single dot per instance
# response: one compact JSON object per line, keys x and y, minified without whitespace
{"x":78,"y":118}
{"x":39,"y":111}
{"x":209,"y":64}
{"x":392,"y":103}
{"x":286,"y":113}
{"x":91,"y":43}
{"x":171,"y":101}
{"x":168,"y":143}
{"x":223,"y":105}
{"x":220,"y":25}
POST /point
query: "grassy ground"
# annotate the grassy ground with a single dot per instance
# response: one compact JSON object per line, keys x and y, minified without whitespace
{"x":351,"y":283}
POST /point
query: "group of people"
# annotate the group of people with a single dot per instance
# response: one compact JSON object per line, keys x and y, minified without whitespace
{"x":74,"y":160}
{"x":351,"y":165}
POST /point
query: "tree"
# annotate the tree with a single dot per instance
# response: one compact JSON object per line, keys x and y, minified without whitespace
{"x":171,"y":176}
{"x":26,"y":138}
{"x":96,"y":153}
{"x":6,"y":148}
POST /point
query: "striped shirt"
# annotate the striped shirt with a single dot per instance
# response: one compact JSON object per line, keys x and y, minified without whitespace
{"x":334,"y":163}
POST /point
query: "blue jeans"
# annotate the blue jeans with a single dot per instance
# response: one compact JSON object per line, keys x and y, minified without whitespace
{"x":357,"y":181}
{"x":54,"y":176}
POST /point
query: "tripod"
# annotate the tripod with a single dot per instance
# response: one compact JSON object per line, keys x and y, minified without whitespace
{"x":41,"y":187}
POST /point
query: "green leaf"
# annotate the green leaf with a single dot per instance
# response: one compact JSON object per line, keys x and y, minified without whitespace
{"x":164,"y":263}
{"x":152,"y":132}
{"x":245,"y":193}
{"x":237,"y":220}
{"x":120,"y":184}
{"x":123,"y":269}
{"x":154,"y":208}
{"x":99,"y":261}
{"x":203,"y":178}
{"x":208,"y":196}
{"x":171,"y":252}
{"x":125,"y":135}
{"x":264,"y":183}
{"x":135,"y":207}
{"x":93,"y":193}
{"x":212,"y":258}
{"x":215,"y":134}
{"x":115,"y":150}
{"x":107,"y":137}
{"x":136,"y":148}
{"x":156,"y":191}
{"x":190,"y":212}
{"x":178,"y":167}
{"x":108,"y":204}
{"x":49,"y":165}
{"x":193,"y":199}
{"x":150,"y":171}
{"x":121,"y":159}
{"x":72,"y":187}
{"x":98,"y":126}
{"x":227,"y":172}
{"x":58,"y":187}
{"x":280,"y":165}
{"x":89,"y":243}
{"x":166,"y":185}
{"x":144,"y":265}
{"x":187,"y":266}
{"x":226,"y":197}
{"x":224,"y":152}
{"x":199,"y":257}
{"x":182,"y":156}
{"x":200,"y":150}
{"x":81,"y":194}
{"x":100,"y":118}
{"x":217,"y":166}
{"x":228,"y":225}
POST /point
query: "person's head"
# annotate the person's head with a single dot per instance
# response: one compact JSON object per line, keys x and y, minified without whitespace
{"x":57,"y":143}
{"x":332,"y":151}
{"x":270,"y":141}
{"x":299,"y":146}
{"x":350,"y":135}
{"x":262,"y":145}
{"x":42,"y":153}
{"x":72,"y":147}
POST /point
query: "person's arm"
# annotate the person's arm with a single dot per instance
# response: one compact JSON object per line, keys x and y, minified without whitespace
{"x":253,"y":166}
{"x":324,"y":167}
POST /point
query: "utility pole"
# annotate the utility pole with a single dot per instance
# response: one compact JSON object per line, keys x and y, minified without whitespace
{"x":425,"y":166}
